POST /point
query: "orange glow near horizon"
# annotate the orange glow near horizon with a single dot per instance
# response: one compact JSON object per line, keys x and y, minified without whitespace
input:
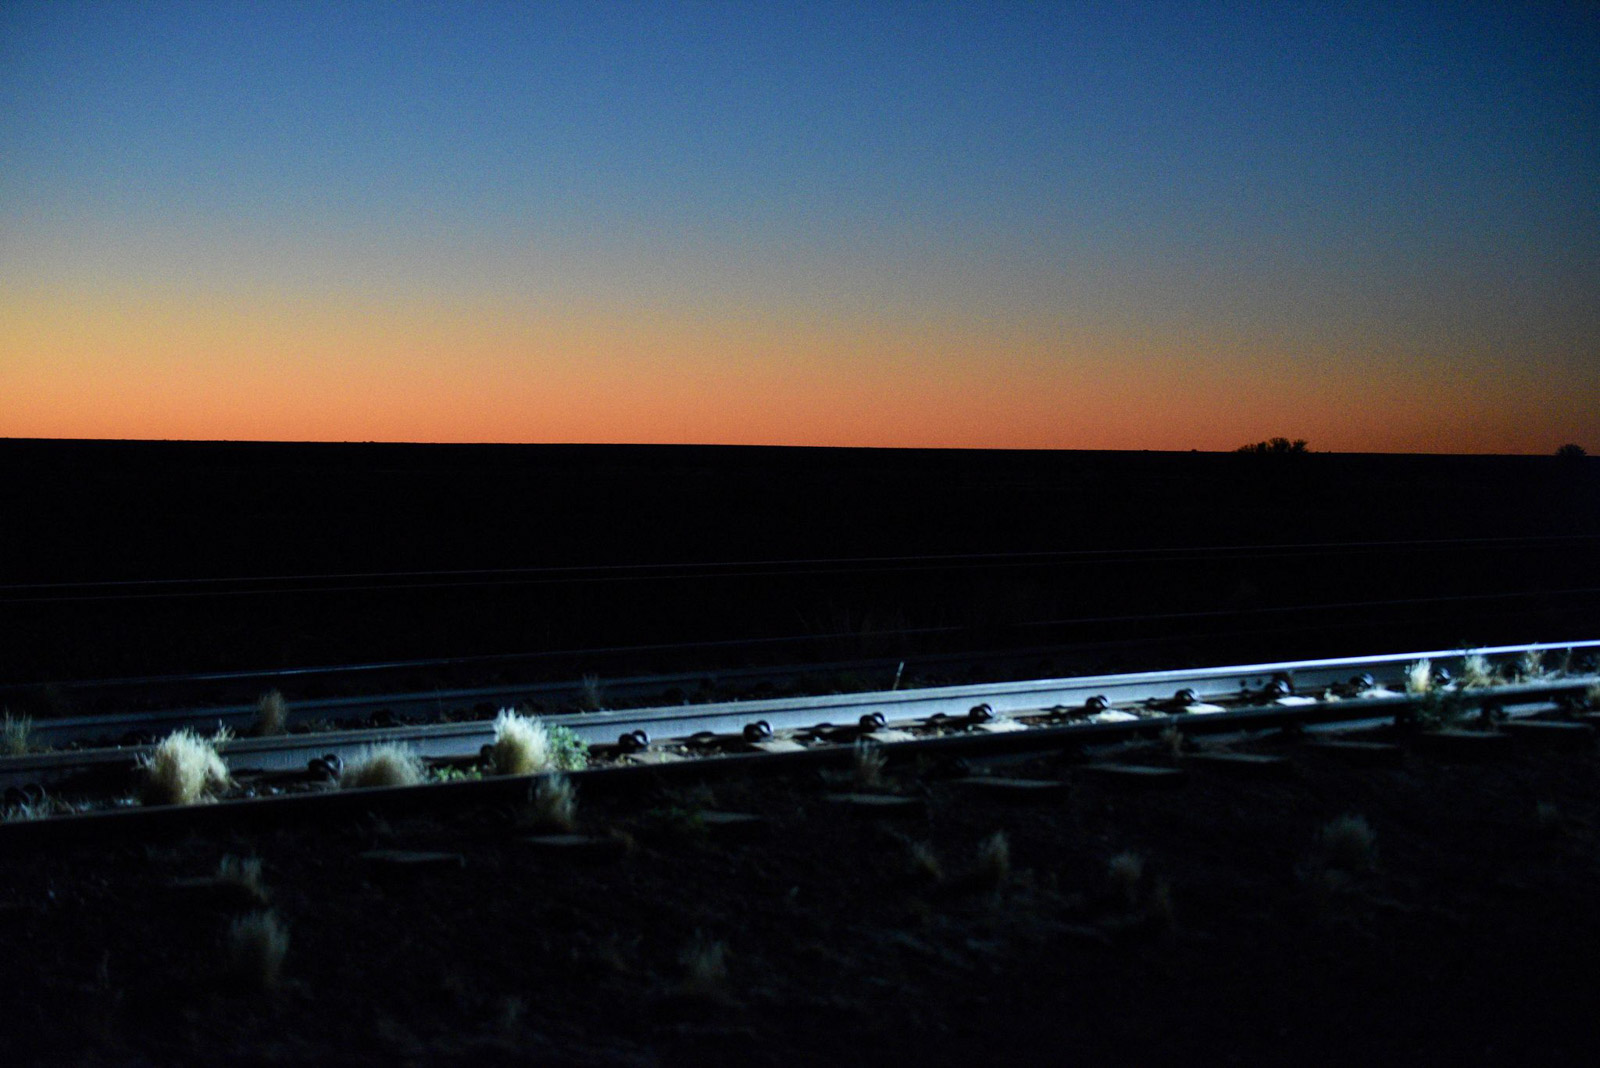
{"x":148,"y":367}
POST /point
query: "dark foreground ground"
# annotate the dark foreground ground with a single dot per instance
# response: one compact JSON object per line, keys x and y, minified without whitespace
{"x":1472,"y":939}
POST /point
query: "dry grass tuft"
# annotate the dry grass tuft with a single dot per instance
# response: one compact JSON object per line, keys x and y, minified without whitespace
{"x":867,"y":765}
{"x":183,"y":769}
{"x":1532,"y":664}
{"x":923,"y":863}
{"x":388,"y":764}
{"x":555,"y":803}
{"x":1349,"y":844}
{"x":256,"y":945}
{"x":521,"y":745}
{"x":272,"y":713}
{"x":705,"y":966}
{"x":1419,"y":677}
{"x":1125,"y":873}
{"x":26,"y":811}
{"x":992,"y":866}
{"x":1476,"y":671}
{"x":15,"y":734}
{"x":245,"y":873}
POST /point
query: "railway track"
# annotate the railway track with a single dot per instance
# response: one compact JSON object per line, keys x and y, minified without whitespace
{"x":291,"y":771}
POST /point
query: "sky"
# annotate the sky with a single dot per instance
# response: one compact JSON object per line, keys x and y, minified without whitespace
{"x":1040,"y":225}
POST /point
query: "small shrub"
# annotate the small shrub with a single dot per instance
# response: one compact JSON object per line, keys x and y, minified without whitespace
{"x":568,"y":752}
{"x":1349,"y":844}
{"x":867,"y":762}
{"x":555,"y":803}
{"x":183,"y":769}
{"x":1276,"y":447}
{"x":15,"y":734}
{"x":272,"y":713}
{"x":1571,"y":451}
{"x":1125,"y":873}
{"x":387,"y":764}
{"x":256,"y":946}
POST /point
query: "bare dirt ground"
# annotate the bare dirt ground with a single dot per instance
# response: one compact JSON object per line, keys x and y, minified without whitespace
{"x":1468,"y":934}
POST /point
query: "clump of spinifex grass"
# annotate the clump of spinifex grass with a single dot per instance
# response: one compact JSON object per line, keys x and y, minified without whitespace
{"x":1532,"y":664}
{"x":183,"y":769}
{"x":25,"y":811}
{"x":526,"y":745}
{"x":554,"y":803}
{"x":867,"y":763}
{"x":521,"y":745}
{"x":39,"y":807}
{"x":244,"y":873}
{"x":272,"y":713}
{"x":593,"y":698}
{"x":1476,"y":671}
{"x":1349,"y":844}
{"x":387,"y":764}
{"x":255,"y":948}
{"x":1125,"y":875}
{"x":15,"y":734}
{"x":922,"y":863}
{"x":1419,"y":677}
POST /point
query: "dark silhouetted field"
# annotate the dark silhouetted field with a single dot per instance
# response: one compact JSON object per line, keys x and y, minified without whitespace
{"x":1138,"y":575}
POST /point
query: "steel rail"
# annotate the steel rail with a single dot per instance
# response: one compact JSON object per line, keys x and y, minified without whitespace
{"x":1084,"y":737}
{"x":813,"y":713}
{"x":63,"y":731}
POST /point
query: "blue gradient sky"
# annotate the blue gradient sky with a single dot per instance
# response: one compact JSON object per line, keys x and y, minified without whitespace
{"x":1054,"y":225}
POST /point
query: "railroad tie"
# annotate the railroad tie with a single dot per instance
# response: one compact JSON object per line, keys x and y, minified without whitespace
{"x":1241,"y":765}
{"x":1141,"y":776}
{"x":1363,"y":754}
{"x":1548,"y":732}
